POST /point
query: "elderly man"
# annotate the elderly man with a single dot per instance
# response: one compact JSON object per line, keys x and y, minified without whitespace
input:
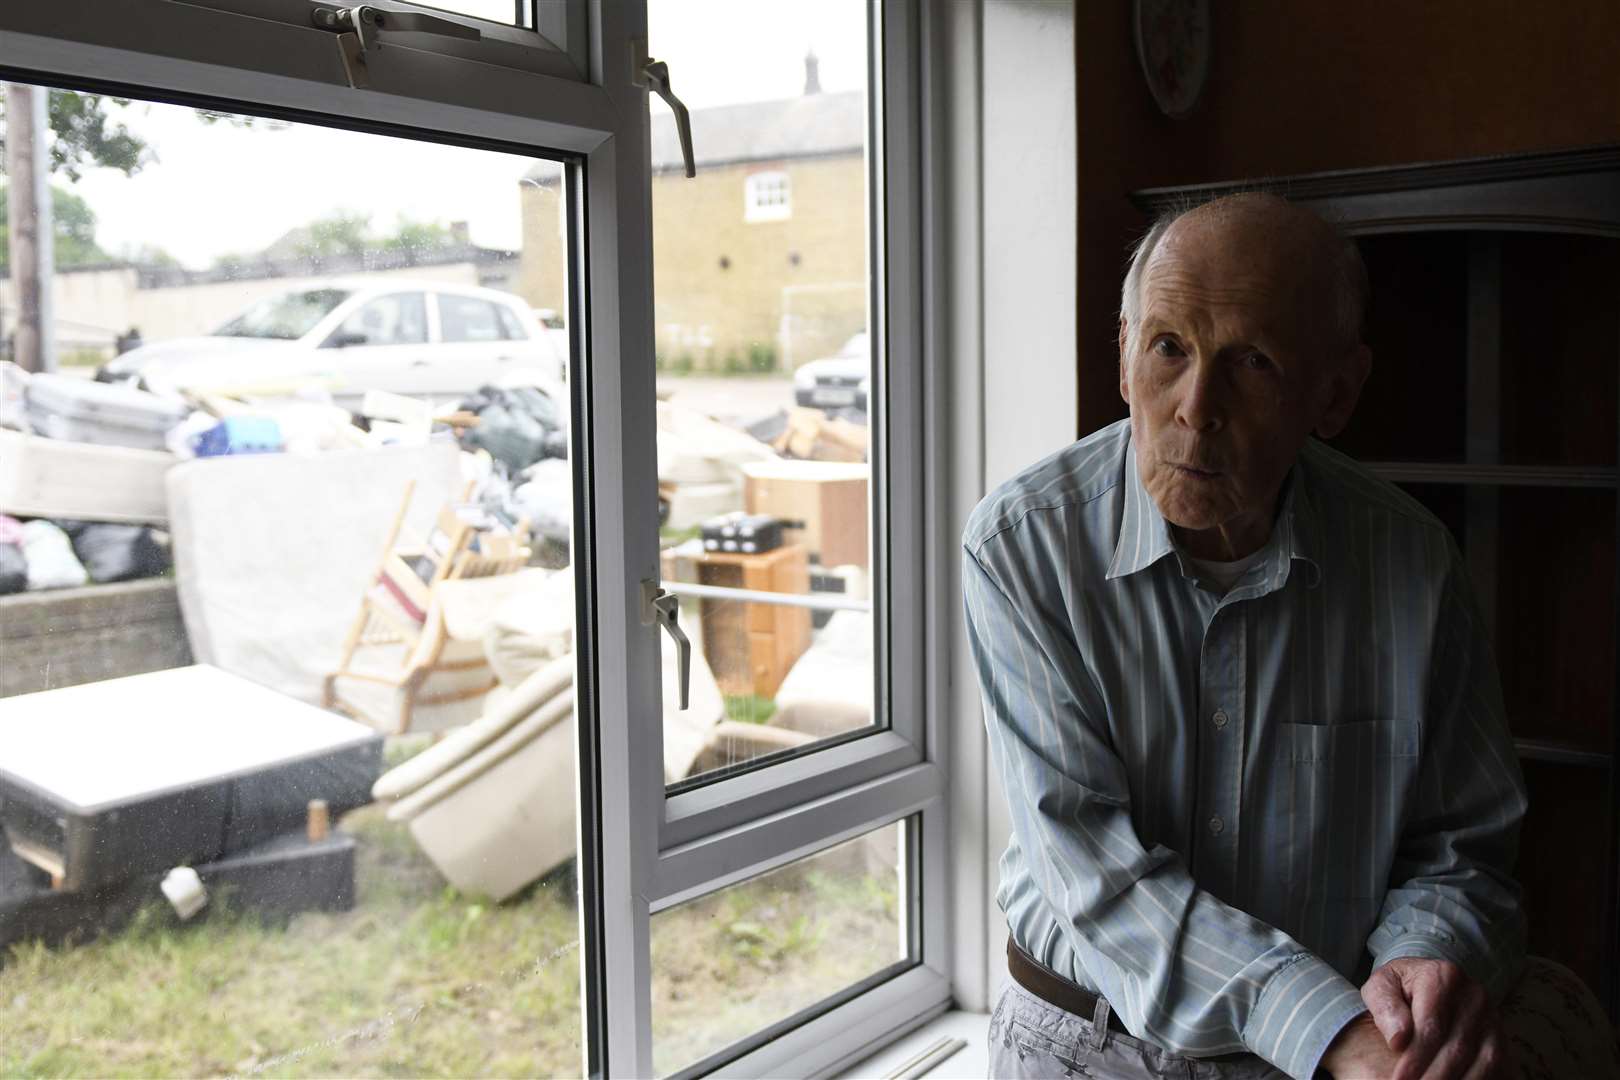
{"x":1263,"y":798}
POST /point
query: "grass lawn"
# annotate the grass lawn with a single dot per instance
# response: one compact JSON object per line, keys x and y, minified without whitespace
{"x":420,"y":981}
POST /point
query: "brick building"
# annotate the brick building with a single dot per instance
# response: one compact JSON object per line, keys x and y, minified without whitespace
{"x":760,"y":260}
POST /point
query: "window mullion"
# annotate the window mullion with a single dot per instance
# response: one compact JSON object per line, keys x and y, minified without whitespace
{"x":759,"y":845}
{"x":619,"y":410}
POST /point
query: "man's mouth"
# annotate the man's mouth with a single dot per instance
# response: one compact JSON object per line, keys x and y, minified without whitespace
{"x":1194,"y":472}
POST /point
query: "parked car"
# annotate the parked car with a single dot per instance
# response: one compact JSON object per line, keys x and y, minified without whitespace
{"x":837,"y":381}
{"x":434,"y":341}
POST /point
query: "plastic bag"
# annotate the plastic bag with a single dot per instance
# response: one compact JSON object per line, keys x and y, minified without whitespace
{"x":547,"y":500}
{"x":119,"y":552}
{"x":51,"y":561}
{"x":518,"y":426}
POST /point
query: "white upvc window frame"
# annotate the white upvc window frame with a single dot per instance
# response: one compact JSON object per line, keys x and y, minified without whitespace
{"x":655,"y":849}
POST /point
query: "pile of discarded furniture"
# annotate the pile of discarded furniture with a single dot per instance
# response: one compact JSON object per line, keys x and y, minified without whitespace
{"x":344,"y":578}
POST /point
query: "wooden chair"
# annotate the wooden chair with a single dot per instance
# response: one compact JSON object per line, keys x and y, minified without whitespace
{"x":416,"y":644}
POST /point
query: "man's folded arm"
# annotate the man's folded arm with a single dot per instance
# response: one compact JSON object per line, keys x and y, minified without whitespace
{"x":1190,"y":973}
{"x":1451,"y":897}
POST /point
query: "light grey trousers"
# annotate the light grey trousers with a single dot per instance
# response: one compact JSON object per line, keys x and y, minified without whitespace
{"x":1031,"y":1038}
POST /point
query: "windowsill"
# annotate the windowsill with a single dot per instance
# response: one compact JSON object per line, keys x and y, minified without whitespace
{"x":972,"y":1060}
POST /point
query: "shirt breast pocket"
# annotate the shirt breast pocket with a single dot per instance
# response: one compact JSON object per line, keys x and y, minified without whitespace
{"x":1343,"y":790}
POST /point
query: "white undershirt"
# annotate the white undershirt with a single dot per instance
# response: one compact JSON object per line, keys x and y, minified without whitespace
{"x":1223,"y":575}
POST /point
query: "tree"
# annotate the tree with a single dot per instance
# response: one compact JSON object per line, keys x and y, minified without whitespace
{"x":74,"y":233}
{"x":419,"y":236}
{"x":86,"y":137}
{"x":347,"y":232}
{"x":341,"y":233}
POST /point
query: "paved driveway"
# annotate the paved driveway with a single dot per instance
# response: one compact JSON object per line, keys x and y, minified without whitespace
{"x":734,"y":401}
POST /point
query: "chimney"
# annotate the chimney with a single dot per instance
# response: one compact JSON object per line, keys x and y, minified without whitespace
{"x":812,"y":74}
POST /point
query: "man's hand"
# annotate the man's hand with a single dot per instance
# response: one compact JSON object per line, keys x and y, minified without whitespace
{"x":1438,"y":1020}
{"x":1359,"y":1052}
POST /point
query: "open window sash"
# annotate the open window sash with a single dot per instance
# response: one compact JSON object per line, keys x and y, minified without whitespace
{"x":640,"y":851}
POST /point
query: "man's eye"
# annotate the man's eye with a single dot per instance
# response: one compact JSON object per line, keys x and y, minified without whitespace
{"x":1258,"y":362}
{"x":1166,"y":347}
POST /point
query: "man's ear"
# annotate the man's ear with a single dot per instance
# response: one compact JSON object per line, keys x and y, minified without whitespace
{"x":1124,"y":383}
{"x":1343,"y":390}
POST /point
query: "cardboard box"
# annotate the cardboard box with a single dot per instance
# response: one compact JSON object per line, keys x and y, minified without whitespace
{"x":829,"y":497}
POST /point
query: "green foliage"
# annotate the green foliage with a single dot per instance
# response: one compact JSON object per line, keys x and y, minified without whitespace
{"x":81,"y":358}
{"x":73,"y":224}
{"x":339,"y":233}
{"x":669,"y":537}
{"x":749,"y":708}
{"x":418,"y":236}
{"x":682,"y":365}
{"x":86,"y":137}
{"x":732,"y":365}
{"x":348,"y":232}
{"x":761,"y":357}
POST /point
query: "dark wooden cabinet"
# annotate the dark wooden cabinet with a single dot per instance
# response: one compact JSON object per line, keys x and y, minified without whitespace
{"x":1495,"y":400}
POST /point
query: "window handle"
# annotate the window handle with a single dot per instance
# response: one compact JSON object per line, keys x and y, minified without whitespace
{"x":656,"y":72}
{"x":357,"y":29}
{"x":665,"y":609}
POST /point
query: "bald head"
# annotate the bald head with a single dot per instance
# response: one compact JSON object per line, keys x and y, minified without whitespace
{"x":1270,"y":233}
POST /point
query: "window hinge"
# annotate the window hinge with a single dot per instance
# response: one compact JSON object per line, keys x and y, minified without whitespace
{"x":357,"y":29}
{"x":654,"y":75}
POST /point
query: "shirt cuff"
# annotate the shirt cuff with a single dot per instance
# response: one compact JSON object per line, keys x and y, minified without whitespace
{"x":1423,"y":946}
{"x":1300,"y":1011}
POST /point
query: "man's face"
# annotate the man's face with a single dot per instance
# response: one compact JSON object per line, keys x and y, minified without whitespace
{"x":1228,"y":373}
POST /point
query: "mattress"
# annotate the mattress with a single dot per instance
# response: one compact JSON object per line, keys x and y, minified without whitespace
{"x":108,"y":781}
{"x":50,"y":478}
{"x":273,"y":552}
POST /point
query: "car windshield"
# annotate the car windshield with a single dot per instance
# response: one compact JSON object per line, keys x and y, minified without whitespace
{"x":286,"y":316}
{"x":855,"y":348}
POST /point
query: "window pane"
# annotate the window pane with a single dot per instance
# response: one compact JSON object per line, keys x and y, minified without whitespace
{"x":738,"y":960}
{"x":465,"y":318}
{"x":512,"y":12}
{"x":764,"y":369}
{"x":308,"y":668}
{"x":397,"y":319}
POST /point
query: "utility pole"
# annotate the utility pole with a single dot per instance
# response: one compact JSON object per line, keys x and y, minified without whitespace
{"x":32,"y":230}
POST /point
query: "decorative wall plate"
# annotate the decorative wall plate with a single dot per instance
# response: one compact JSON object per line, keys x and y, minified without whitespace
{"x":1172,"y":42}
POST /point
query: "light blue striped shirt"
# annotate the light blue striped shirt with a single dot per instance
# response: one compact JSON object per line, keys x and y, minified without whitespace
{"x":1226,"y":810}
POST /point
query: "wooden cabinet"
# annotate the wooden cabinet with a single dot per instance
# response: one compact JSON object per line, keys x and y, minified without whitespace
{"x":750,"y":647}
{"x":1495,"y":400}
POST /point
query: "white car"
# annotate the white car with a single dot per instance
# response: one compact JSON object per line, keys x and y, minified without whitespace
{"x":438,"y":342}
{"x":836,"y":382}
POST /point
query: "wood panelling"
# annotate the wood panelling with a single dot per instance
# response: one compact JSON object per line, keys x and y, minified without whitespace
{"x":1311,"y":85}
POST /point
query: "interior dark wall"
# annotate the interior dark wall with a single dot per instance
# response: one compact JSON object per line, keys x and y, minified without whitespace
{"x":1308,"y":85}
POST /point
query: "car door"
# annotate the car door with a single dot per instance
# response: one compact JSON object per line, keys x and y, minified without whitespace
{"x":475,"y":345}
{"x":381,"y":345}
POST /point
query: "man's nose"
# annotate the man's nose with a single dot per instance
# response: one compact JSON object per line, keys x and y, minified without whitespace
{"x":1202,"y":405}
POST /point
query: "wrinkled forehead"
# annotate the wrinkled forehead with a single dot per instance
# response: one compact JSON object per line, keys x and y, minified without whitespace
{"x":1263,"y":268}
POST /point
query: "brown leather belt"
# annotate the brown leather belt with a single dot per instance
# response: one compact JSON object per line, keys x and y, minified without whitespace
{"x":1053,"y":988}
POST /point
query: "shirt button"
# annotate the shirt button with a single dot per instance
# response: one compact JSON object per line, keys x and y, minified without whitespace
{"x":1216,"y":825}
{"x":1220,"y":718}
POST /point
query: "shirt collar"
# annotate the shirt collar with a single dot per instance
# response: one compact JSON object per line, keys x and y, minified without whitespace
{"x":1144,"y":535}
